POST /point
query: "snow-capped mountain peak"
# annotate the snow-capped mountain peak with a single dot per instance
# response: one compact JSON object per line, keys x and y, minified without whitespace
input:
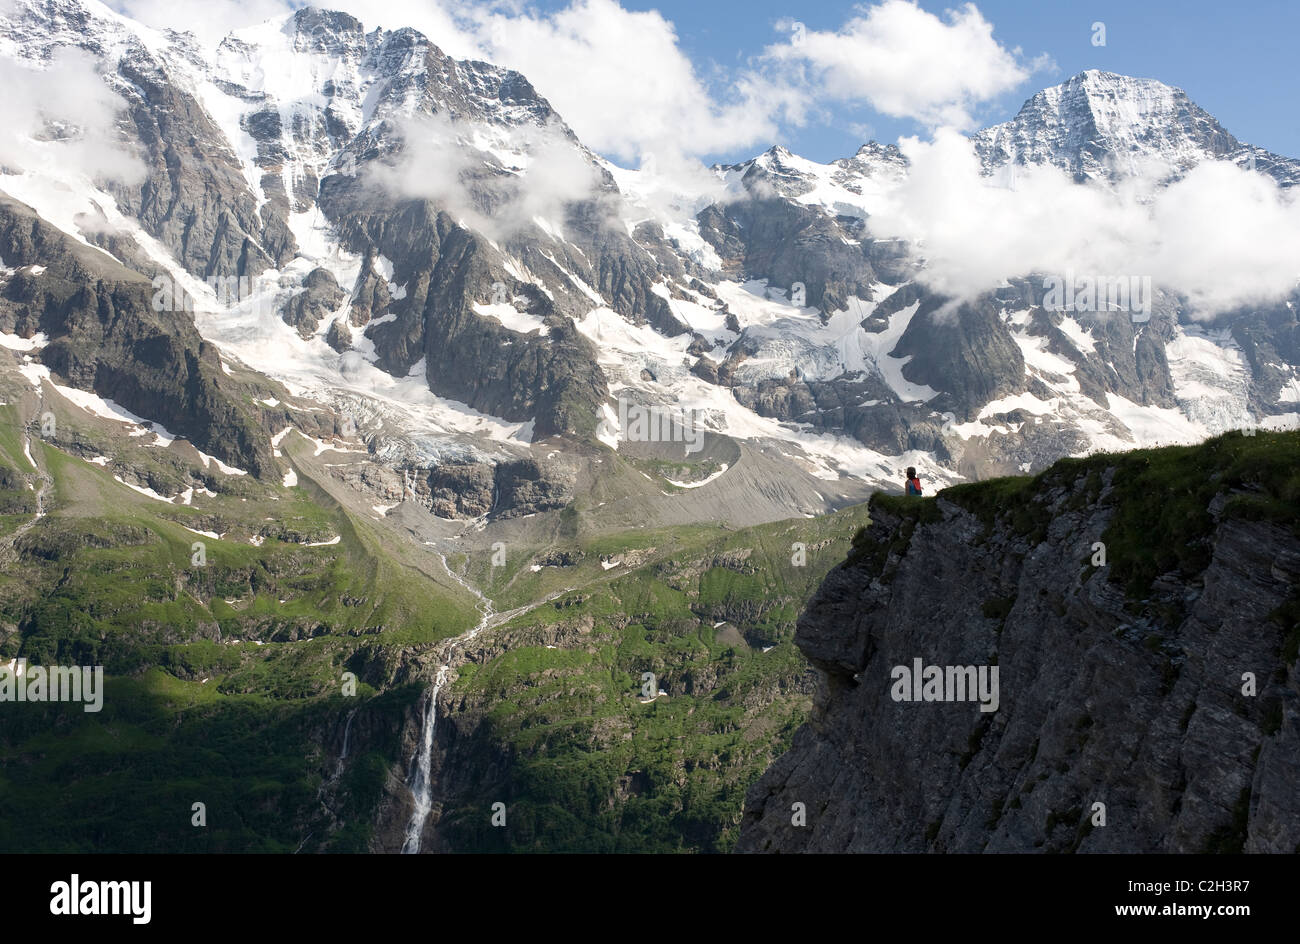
{"x":430,"y":227}
{"x":1100,"y":125}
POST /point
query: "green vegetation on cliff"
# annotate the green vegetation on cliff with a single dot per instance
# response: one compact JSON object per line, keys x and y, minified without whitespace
{"x":220,"y":679}
{"x":224,"y":679}
{"x":593,"y":765}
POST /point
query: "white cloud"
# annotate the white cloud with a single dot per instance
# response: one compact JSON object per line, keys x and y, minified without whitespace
{"x":1227,"y":237}
{"x":558,"y":173}
{"x":209,"y":21}
{"x":63,"y":115}
{"x":621,"y":81}
{"x":429,"y":166}
{"x":439,"y":160}
{"x":1222,"y":235}
{"x":908,"y":63}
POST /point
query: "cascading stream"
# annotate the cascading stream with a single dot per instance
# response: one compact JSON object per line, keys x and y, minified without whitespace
{"x":420,"y":780}
{"x":347,"y":736}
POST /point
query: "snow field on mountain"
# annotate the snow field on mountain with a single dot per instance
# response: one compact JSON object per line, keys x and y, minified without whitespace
{"x":699,"y":317}
{"x":797,"y":340}
{"x":628,"y":349}
{"x":511,"y":317}
{"x":274,"y":68}
{"x":1211,"y":383}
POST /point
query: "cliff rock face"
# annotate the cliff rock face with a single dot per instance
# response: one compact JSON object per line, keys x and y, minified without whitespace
{"x":105,"y":335}
{"x":1123,"y":684}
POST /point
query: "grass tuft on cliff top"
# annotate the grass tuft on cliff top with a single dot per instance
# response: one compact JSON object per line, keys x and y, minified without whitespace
{"x":1162,"y":500}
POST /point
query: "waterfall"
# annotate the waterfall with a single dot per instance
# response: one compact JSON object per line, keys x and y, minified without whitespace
{"x":343,"y":755}
{"x":420,"y":780}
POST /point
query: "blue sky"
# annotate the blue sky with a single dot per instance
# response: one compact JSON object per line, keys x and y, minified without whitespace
{"x":1238,"y":61}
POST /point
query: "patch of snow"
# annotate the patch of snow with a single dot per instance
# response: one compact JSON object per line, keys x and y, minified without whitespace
{"x":35,"y":373}
{"x":705,"y":481}
{"x":592,"y":295}
{"x":1281,"y":422}
{"x":1080,"y":338}
{"x":15,"y":343}
{"x":144,"y":490}
{"x":208,"y":460}
{"x":512,"y":318}
{"x":206,"y":534}
{"x":1153,"y":425}
{"x":1056,"y":372}
{"x":607,"y":431}
{"x":323,"y":446}
{"x":1211,"y":381}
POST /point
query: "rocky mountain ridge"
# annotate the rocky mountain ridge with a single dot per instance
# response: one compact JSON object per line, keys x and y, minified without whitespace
{"x":1147,"y":688}
{"x":772,"y":314}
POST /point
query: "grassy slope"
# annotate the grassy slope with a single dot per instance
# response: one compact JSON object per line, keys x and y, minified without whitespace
{"x":594,"y":768}
{"x":1161,"y":498}
{"x":195,"y":709}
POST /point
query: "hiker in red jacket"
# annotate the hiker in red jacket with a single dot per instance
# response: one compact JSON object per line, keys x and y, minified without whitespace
{"x":913,"y":483}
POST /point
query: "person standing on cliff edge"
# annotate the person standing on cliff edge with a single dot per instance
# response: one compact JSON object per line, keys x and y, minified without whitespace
{"x":913,"y":483}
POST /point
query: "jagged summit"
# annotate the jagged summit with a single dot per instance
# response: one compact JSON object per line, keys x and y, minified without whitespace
{"x":1101,"y":125}
{"x":1096,"y":125}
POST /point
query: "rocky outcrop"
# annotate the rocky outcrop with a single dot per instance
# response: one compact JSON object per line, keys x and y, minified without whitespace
{"x":1147,"y":701}
{"x":788,"y":243}
{"x":963,"y":350}
{"x":507,"y":489}
{"x":320,"y":298}
{"x":194,"y":198}
{"x":449,"y":274}
{"x":107,"y":336}
{"x":339,"y":335}
{"x":370,"y":295}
